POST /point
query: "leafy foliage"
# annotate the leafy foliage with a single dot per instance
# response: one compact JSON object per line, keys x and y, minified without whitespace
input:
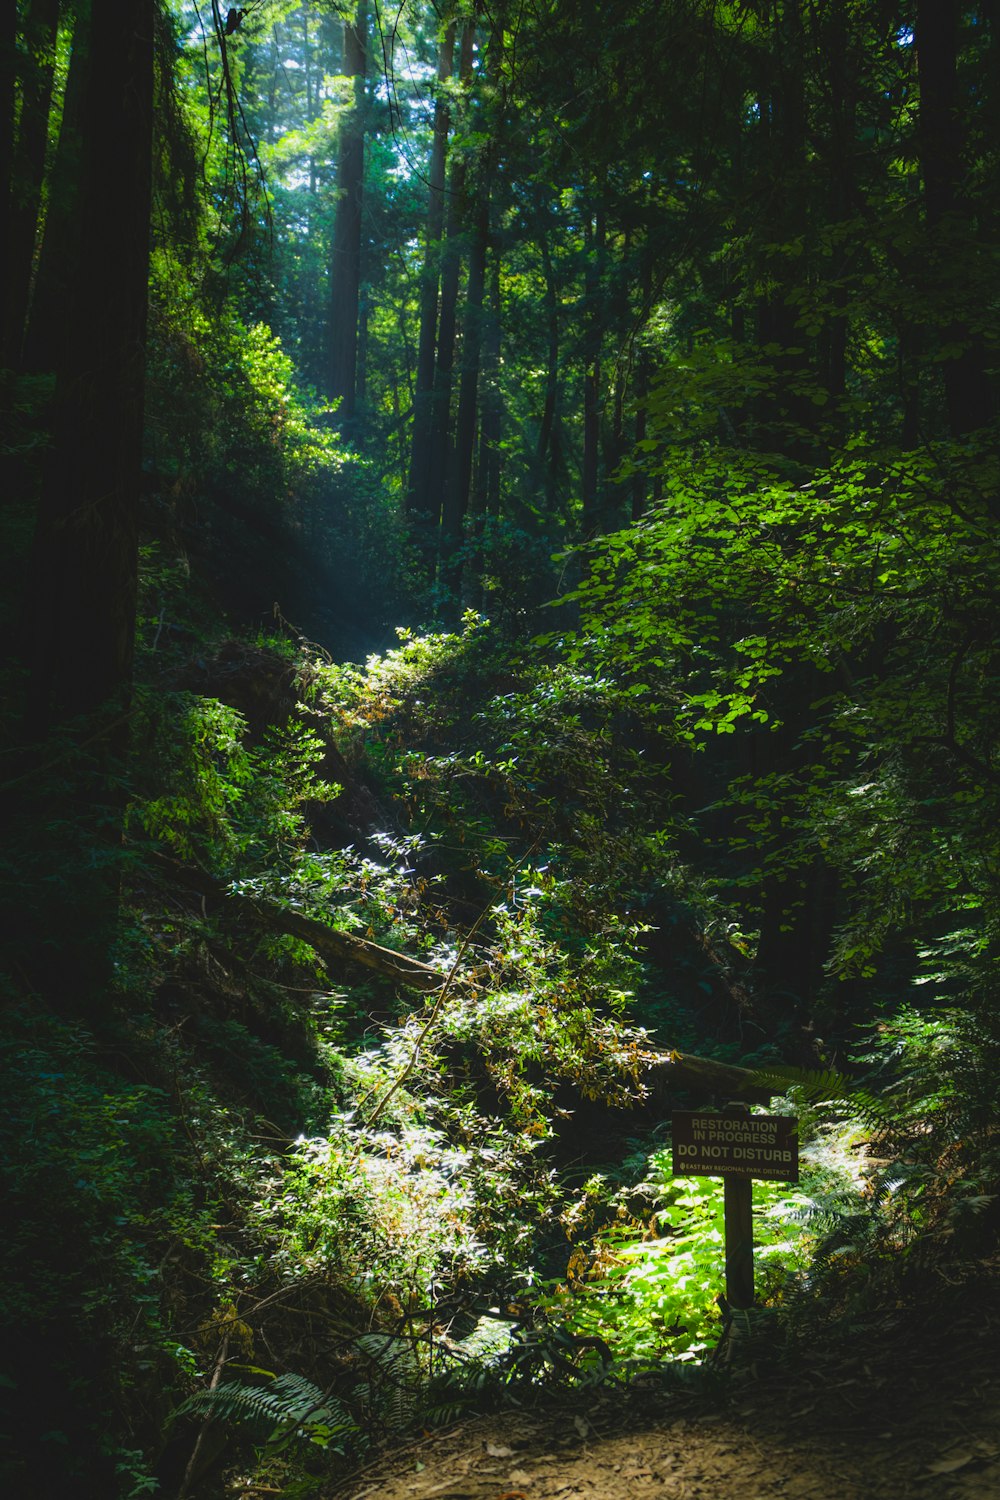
{"x":288,"y":1407}
{"x":656,"y":1297}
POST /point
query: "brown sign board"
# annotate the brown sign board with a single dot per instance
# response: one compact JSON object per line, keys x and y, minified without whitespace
{"x":752,"y":1145}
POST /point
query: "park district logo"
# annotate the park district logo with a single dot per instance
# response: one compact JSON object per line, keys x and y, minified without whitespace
{"x":756,"y":1145}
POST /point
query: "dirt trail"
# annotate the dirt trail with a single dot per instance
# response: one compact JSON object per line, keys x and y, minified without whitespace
{"x":917,"y":1414}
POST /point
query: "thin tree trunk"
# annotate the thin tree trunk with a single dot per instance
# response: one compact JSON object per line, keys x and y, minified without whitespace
{"x":968,"y":389}
{"x":457,"y":495}
{"x":417,"y":502}
{"x":613,"y":432}
{"x":306,"y":64}
{"x":487,"y":486}
{"x":346,"y":254}
{"x":842,"y":193}
{"x":40,"y":25}
{"x":784,"y":415}
{"x":551,"y":306}
{"x":642,"y":381}
{"x":8,"y":75}
{"x":594,"y":239}
{"x":57,"y":260}
{"x":451,"y":269}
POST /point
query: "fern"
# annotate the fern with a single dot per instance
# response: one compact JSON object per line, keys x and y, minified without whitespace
{"x":394,"y":1390}
{"x":815,"y":1087}
{"x":289,"y":1407}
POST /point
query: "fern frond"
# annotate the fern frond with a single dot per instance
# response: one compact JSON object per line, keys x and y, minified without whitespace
{"x":396,"y":1383}
{"x":817,"y":1087}
{"x":288,"y":1405}
{"x":392,"y":1355}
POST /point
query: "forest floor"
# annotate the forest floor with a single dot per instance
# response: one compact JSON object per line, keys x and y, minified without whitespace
{"x":908,"y":1407}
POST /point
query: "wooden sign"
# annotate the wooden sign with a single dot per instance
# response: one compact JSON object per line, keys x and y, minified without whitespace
{"x":753,"y":1145}
{"x":736,"y":1146}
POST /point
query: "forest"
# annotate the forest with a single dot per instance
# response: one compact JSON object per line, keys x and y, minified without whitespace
{"x":500,"y":642}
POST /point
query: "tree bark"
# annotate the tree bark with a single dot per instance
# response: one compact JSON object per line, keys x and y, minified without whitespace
{"x":643,"y":372}
{"x":843,"y":132}
{"x":786,"y":416}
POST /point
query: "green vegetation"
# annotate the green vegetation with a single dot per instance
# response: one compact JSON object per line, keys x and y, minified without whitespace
{"x":499,"y":587}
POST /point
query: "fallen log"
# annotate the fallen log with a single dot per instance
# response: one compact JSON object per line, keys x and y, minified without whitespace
{"x":668,"y":1073}
{"x":664,"y":1074}
{"x":331,"y":945}
{"x":346,"y":947}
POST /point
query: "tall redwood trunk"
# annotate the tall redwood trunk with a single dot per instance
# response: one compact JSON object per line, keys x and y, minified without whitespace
{"x":460,"y":480}
{"x":84,"y":568}
{"x":57,"y":262}
{"x":546,"y":427}
{"x":643,"y":372}
{"x":40,"y":25}
{"x":486,"y":490}
{"x":594,"y":241}
{"x":86,"y":548}
{"x":451,"y":270}
{"x":843,"y":127}
{"x":788,"y":417}
{"x":459,"y":495}
{"x":968,"y":388}
{"x":345,"y":263}
{"x":8,"y":74}
{"x":417,"y":503}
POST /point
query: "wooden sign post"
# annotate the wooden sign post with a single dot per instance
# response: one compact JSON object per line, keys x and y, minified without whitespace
{"x":736,"y":1146}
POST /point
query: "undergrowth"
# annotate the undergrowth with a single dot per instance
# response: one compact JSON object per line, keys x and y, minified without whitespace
{"x":297,"y":1203}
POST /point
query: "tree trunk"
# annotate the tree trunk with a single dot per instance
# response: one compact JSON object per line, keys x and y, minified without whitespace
{"x":57,"y":264}
{"x":486,"y":485}
{"x":345,"y":262}
{"x":787,"y":417}
{"x":417,"y":499}
{"x":8,"y":75}
{"x":546,"y":427}
{"x":451,"y":269}
{"x":835,"y":41}
{"x":594,"y":240}
{"x":83,"y":576}
{"x":968,"y":389}
{"x":40,"y":26}
{"x":460,"y":483}
{"x":85,"y":564}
